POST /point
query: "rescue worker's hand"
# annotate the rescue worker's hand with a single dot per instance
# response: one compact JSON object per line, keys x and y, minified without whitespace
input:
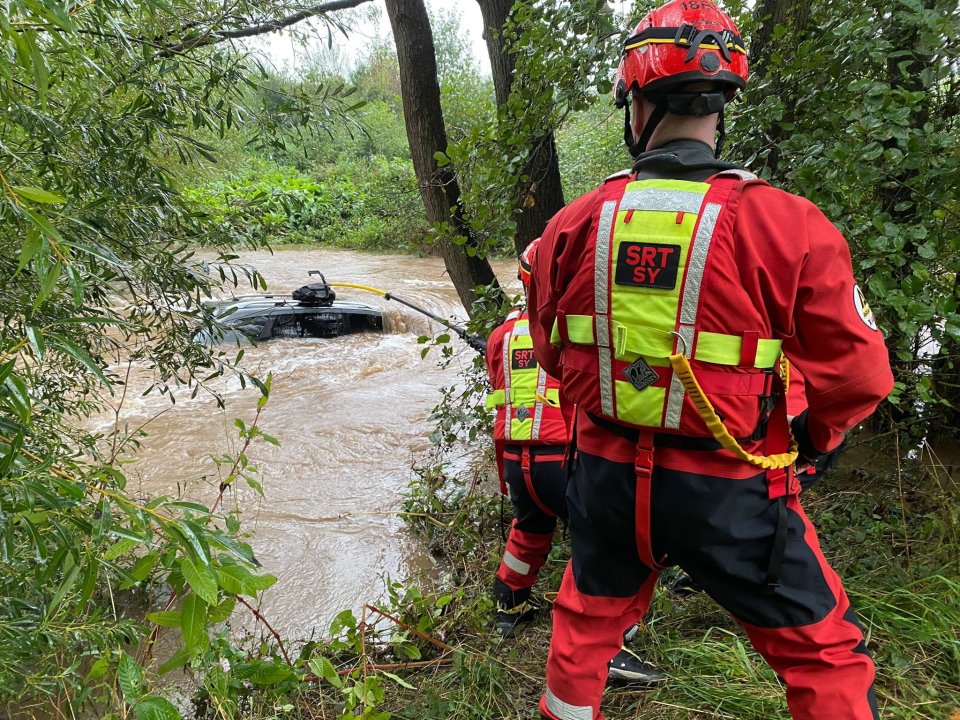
{"x":808,"y":454}
{"x":809,"y":458}
{"x":824,"y":464}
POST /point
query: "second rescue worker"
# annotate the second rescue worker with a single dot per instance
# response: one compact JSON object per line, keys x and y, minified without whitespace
{"x":531,"y":435}
{"x":662,"y":301}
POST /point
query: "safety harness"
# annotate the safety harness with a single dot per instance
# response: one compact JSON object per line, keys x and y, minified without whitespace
{"x":652,"y":250}
{"x":528,"y":399}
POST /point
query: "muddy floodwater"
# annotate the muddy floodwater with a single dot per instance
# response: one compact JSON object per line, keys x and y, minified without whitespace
{"x":351,"y":415}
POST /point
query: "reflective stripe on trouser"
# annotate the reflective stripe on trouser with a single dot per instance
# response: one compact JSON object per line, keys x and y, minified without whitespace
{"x":721,"y":532}
{"x":531,"y":533}
{"x":525,"y":554}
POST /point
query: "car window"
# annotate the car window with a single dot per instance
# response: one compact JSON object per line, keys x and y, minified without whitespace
{"x":322,"y":324}
{"x":286,"y":326}
{"x":250,"y":327}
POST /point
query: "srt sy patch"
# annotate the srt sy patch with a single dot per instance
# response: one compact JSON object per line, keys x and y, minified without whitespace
{"x":523,"y":359}
{"x":640,"y":374}
{"x":649,"y":265}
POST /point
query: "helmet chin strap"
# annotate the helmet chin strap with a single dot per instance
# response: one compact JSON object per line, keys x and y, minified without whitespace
{"x":659,"y":112}
{"x":640,"y":145}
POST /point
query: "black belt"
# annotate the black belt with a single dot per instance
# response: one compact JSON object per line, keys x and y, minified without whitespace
{"x":535,"y":450}
{"x":668,"y":440}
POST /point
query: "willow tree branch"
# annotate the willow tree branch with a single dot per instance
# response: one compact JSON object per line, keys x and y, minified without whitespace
{"x":217,"y":36}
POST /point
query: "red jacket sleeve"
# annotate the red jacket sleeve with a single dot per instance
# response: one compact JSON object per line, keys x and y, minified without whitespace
{"x":558,"y":258}
{"x":827,"y":330}
{"x":494,"y":357}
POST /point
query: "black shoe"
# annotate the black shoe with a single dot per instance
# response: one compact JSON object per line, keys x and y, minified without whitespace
{"x":508,"y":620}
{"x":626,"y":667}
{"x":684,"y":586}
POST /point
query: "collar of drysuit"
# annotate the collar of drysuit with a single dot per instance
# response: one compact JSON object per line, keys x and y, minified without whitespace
{"x":680,"y":160}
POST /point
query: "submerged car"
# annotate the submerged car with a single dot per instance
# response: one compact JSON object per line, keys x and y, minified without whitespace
{"x":310,"y":312}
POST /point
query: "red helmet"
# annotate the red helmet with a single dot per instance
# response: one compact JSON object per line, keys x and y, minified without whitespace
{"x":682,"y":42}
{"x":527,"y":258}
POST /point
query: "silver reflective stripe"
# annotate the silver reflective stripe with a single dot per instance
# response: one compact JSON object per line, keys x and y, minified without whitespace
{"x":696,"y":264}
{"x":676,"y":392}
{"x":521,"y":329}
{"x":538,"y":404}
{"x":621,"y":174}
{"x":601,"y":294}
{"x":515,"y":563}
{"x":508,"y":408}
{"x":566,"y":711}
{"x":742,"y":174}
{"x":659,"y":199}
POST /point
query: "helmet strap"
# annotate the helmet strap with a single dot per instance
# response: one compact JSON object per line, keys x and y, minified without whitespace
{"x":640,"y":145}
{"x":721,"y":136}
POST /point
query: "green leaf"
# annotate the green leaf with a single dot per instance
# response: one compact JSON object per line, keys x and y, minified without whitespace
{"x":324,"y":670}
{"x":152,"y":707}
{"x":130,"y":678}
{"x":399,"y":680}
{"x":263,"y":672}
{"x":193,"y":622}
{"x":165,"y":618}
{"x":36,"y":341}
{"x":180,"y":658}
{"x":37,"y":195}
{"x":201,"y":579}
{"x":32,"y":242}
{"x":141,"y":569}
{"x":79,"y":354}
{"x":237,"y":580}
{"x":221,"y":613}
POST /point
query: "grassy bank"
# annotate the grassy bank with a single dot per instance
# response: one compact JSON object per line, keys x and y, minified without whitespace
{"x":897,"y":552}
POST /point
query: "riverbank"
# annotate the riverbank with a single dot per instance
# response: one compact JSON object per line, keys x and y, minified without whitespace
{"x":896,"y":549}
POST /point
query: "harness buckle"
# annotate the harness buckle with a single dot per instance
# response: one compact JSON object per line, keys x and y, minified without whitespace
{"x":683,"y":342}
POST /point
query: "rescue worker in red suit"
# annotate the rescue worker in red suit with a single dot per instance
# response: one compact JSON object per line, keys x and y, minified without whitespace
{"x":531,"y":437}
{"x":662,"y":301}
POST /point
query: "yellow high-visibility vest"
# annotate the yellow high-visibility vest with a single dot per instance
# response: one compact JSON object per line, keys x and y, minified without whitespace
{"x":651,"y":252}
{"x":528,"y":391}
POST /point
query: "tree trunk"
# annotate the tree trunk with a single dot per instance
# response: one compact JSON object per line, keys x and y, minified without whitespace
{"x":795,"y":16}
{"x":540,"y":196}
{"x":427,"y":136}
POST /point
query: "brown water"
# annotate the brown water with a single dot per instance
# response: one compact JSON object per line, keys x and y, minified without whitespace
{"x":351,"y":416}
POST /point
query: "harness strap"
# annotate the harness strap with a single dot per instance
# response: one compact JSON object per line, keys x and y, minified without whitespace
{"x":678,"y":442}
{"x":781,"y":483}
{"x":643,"y":468}
{"x":528,"y":481}
{"x":584,"y":359}
{"x":498,"y":447}
{"x":681,"y":368}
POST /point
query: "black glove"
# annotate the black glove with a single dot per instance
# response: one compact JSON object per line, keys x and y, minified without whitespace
{"x":477,"y":343}
{"x":820,"y":463}
{"x":807,"y":453}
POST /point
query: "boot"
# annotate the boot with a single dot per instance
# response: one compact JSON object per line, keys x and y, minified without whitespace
{"x":514,"y":608}
{"x":684,"y":586}
{"x":626,"y":667}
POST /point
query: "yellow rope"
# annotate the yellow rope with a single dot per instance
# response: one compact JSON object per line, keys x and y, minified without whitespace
{"x":545,"y":400}
{"x":378,"y":291}
{"x":681,"y":366}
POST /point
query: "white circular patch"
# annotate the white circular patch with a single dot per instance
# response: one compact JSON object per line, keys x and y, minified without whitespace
{"x":863,"y":308}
